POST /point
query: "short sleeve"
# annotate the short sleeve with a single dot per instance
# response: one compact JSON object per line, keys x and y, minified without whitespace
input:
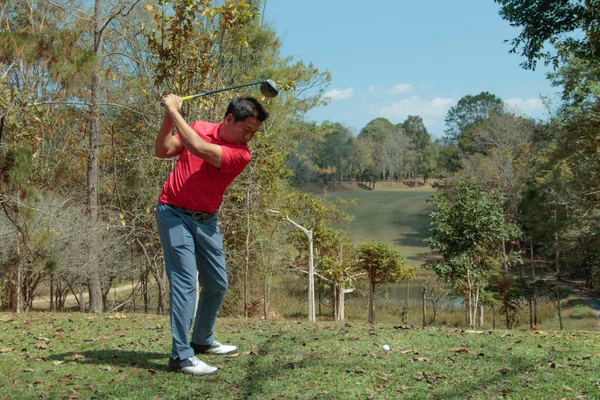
{"x":234,"y":159}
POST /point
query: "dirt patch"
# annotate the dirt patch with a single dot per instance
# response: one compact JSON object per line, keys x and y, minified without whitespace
{"x":321,"y":189}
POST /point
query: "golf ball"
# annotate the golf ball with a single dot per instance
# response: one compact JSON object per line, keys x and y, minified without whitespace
{"x":386,"y":348}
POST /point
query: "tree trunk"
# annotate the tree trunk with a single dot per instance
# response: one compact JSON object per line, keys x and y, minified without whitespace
{"x":371,"y":301}
{"x":51,"y":291}
{"x":504,"y":263}
{"x":94,"y":283}
{"x":247,"y":248}
{"x":424,"y":293}
{"x":311,"y":279}
{"x":19,"y":274}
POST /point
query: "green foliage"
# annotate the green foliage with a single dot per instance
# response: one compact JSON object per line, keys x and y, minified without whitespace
{"x":571,"y":26}
{"x":469,"y":112}
{"x":468,"y":228}
{"x":382,"y":263}
{"x":377,"y":130}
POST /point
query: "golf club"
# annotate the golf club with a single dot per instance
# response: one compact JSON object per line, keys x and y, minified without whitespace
{"x":268,"y":88}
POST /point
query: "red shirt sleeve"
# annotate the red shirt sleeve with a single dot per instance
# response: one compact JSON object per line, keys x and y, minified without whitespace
{"x":234,"y":159}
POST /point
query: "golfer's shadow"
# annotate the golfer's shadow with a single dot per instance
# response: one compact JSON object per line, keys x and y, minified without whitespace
{"x":115,"y":358}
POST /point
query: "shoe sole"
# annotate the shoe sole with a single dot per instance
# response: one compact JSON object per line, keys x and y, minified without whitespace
{"x":171,"y":369}
{"x":220,"y":354}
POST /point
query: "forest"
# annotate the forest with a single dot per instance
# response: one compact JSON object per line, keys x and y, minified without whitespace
{"x":80,"y":84}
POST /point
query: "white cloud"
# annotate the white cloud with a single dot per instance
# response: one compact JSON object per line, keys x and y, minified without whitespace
{"x":402,"y":88}
{"x":528,"y":106}
{"x":337,"y":94}
{"x":435,"y":108}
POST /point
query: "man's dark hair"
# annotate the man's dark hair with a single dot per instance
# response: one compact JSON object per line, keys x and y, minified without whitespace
{"x":244,"y":107}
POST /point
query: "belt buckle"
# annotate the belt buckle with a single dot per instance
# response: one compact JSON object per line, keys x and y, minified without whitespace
{"x":200,"y":215}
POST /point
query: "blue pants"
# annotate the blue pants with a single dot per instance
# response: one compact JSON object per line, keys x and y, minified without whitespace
{"x":193,"y":251}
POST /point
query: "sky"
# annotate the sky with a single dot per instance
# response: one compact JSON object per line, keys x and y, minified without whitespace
{"x":395,"y":58}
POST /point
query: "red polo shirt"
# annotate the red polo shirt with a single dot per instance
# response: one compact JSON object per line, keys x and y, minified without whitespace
{"x":196,"y":184}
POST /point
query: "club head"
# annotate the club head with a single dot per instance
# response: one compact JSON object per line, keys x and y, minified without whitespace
{"x":269,"y":89}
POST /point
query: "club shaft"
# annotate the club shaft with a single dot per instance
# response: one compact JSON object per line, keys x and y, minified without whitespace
{"x":193,"y":96}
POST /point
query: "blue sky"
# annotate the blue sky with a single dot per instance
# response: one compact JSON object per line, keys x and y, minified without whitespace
{"x":394,"y":58}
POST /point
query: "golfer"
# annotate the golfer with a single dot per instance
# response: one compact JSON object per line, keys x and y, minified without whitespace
{"x":211,"y":156}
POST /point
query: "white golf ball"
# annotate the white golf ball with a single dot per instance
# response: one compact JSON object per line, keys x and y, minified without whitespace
{"x":386,"y":348}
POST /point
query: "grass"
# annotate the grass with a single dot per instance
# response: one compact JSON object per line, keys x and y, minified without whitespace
{"x":45,"y":355}
{"x":396,"y":216}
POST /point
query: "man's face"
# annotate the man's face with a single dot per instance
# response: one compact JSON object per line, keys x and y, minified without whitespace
{"x":239,"y":132}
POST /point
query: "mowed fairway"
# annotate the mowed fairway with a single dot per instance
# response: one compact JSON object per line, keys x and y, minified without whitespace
{"x":394,"y":216}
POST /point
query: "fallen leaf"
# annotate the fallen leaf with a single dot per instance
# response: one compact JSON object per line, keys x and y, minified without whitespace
{"x":56,"y":363}
{"x":7,"y":350}
{"x":409,"y":351}
{"x":29,"y":370}
{"x":41,"y":346}
{"x":421,"y":359}
{"x":149,"y":7}
{"x":460,"y":350}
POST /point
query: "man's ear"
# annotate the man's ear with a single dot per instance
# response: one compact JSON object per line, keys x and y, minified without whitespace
{"x":229,"y":119}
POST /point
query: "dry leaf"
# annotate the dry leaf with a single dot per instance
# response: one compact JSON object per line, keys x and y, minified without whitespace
{"x":460,"y":350}
{"x":149,"y":7}
{"x":41,"y":346}
{"x":7,"y":350}
{"x":421,"y":359}
{"x":29,"y":370}
{"x":414,"y":351}
{"x":56,"y":363}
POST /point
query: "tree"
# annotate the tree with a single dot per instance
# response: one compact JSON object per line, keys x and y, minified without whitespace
{"x":468,"y":228}
{"x":377,"y":130}
{"x":469,"y":112}
{"x":311,"y":215}
{"x":382,"y":264}
{"x":570,"y":26}
{"x":421,"y":143}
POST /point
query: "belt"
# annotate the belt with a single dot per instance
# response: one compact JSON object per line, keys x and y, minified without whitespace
{"x":199,"y":215}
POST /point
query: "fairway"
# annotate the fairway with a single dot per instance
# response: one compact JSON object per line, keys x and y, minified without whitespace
{"x":396,"y":216}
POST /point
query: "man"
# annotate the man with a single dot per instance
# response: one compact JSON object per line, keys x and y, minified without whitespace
{"x":211,"y":156}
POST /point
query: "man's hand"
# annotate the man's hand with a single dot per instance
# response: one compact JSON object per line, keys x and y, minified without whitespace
{"x":172,"y":103}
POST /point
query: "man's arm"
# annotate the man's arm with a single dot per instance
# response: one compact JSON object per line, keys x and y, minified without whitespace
{"x":209,"y":152}
{"x":166,"y":145}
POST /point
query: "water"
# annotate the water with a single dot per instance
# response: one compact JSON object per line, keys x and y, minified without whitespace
{"x":397,"y":293}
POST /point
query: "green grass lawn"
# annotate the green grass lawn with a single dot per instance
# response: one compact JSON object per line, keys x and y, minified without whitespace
{"x":69,"y":356}
{"x":397,"y":217}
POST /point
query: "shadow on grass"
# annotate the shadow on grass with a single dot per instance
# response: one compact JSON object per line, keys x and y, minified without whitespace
{"x":257,"y":373}
{"x":116,"y":358}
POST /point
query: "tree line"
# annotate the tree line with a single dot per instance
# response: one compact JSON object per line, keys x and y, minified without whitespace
{"x":79,"y":89}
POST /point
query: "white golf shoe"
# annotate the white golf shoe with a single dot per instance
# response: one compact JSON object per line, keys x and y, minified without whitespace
{"x":214,"y":348}
{"x":192,"y":366}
